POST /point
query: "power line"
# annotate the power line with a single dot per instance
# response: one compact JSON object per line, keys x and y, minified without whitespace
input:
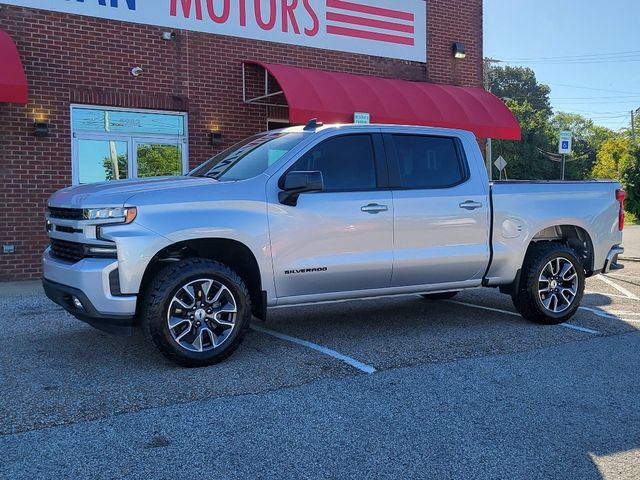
{"x":597,"y":103}
{"x":591,"y":55}
{"x":575,"y":62}
{"x":591,"y":88}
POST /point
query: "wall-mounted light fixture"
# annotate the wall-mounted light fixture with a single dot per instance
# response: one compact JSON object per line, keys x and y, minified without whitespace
{"x":459,"y":51}
{"x":216,"y":138}
{"x":168,"y":36}
{"x":41,"y":129}
{"x":137,"y":71}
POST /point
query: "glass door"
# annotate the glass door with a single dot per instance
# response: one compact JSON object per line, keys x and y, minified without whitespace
{"x":100,"y":158}
{"x":158,"y":157}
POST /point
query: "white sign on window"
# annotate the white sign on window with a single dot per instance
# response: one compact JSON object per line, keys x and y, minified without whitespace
{"x":385,"y":28}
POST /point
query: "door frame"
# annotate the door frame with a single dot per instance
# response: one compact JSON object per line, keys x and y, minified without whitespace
{"x":130,"y":138}
{"x":75,"y":165}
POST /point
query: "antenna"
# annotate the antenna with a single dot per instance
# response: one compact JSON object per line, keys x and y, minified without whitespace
{"x":313,"y":124}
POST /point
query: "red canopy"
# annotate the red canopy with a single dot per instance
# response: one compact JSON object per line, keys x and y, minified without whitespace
{"x":334,"y":98}
{"x":13,"y":81}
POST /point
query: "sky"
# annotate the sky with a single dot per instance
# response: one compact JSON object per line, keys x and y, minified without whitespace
{"x":587,"y":51}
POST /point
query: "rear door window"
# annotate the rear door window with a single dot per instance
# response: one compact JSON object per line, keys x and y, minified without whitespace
{"x":428,"y":161}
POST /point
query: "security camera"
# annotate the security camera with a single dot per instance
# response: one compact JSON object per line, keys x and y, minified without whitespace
{"x":168,"y":36}
{"x":137,"y":71}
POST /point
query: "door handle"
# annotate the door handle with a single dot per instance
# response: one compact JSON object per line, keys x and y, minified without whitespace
{"x":374,"y":208}
{"x":470,"y":205}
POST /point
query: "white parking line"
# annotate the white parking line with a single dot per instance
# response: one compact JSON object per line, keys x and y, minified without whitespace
{"x":580,"y":329}
{"x":318,"y":348}
{"x":617,"y":287}
{"x":620,"y":275}
{"x":600,"y":313}
{"x":613,"y":314}
{"x":622,"y":312}
{"x":465,"y":304}
{"x":590,"y":292}
{"x":507,"y":312}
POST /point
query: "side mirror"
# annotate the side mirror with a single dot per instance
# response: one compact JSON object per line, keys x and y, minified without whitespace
{"x":295,"y":183}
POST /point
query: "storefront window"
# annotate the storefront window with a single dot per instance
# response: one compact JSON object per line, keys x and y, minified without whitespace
{"x":113,"y":144}
{"x":102,"y":160}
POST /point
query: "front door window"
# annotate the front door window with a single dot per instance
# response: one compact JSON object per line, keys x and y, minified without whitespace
{"x":118,"y":144}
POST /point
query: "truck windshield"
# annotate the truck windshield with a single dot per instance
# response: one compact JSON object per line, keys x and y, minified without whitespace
{"x":249,"y":158}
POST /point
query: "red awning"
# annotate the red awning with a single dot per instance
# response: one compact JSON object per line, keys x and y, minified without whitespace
{"x":13,"y":81}
{"x":335,"y":97}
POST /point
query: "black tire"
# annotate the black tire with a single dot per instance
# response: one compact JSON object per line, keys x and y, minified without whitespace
{"x":160,"y":295}
{"x":528,"y":301}
{"x":439,"y":296}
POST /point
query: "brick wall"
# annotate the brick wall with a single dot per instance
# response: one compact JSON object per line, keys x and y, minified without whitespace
{"x":73,"y":59}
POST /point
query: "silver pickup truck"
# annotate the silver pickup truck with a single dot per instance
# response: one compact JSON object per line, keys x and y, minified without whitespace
{"x":320,"y":213}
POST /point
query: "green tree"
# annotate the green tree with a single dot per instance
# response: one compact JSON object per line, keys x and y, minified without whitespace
{"x":529,"y":102}
{"x":618,"y":159}
{"x":520,"y":85}
{"x":614,"y":158}
{"x":525,"y":158}
{"x":631,"y":181}
{"x":588,"y":138}
{"x":154,"y":160}
{"x":159,"y":160}
{"x":109,"y":170}
{"x":535,"y":156}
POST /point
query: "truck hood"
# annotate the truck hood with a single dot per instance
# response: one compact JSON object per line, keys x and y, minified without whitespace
{"x":116,"y":193}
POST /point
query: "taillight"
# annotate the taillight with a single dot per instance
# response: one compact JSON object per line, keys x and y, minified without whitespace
{"x":620,"y":196}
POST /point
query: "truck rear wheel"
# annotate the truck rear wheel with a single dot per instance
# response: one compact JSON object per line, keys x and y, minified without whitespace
{"x":196,"y":312}
{"x":552,"y":284}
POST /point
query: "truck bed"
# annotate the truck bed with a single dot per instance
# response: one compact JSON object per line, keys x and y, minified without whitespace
{"x":523,"y":210}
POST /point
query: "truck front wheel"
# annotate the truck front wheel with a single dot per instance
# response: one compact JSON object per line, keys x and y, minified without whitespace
{"x":196,"y":312}
{"x":552,"y":284}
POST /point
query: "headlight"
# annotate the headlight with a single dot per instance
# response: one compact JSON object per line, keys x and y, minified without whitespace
{"x":124,"y":214}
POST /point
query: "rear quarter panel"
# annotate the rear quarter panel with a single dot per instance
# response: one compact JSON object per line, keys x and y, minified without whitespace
{"x":523,"y":209}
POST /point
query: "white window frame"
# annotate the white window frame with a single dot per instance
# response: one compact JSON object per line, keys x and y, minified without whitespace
{"x":132,"y":139}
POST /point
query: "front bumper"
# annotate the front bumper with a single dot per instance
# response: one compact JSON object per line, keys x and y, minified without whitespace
{"x":88,"y":281}
{"x":64,"y":296}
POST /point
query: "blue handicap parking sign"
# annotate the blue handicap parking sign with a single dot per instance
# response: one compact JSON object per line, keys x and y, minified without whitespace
{"x":565,"y":144}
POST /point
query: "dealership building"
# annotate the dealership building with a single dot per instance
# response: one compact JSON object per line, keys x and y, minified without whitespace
{"x":99,"y":90}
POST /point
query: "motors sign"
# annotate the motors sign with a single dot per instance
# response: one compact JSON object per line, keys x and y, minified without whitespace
{"x":385,"y":28}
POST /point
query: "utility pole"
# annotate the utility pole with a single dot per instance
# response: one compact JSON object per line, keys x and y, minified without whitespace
{"x":487,"y":84}
{"x":113,"y":153}
{"x":633,"y":126}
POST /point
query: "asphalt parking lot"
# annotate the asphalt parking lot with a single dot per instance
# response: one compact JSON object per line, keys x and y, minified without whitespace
{"x":384,"y":388}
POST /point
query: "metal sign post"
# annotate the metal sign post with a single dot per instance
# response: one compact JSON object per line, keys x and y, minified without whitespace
{"x":501,"y":165}
{"x":564,"y":147}
{"x":489,"y":159}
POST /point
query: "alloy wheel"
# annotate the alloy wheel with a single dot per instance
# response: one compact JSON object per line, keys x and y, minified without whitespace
{"x":202,"y":315}
{"x":558,"y":285}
